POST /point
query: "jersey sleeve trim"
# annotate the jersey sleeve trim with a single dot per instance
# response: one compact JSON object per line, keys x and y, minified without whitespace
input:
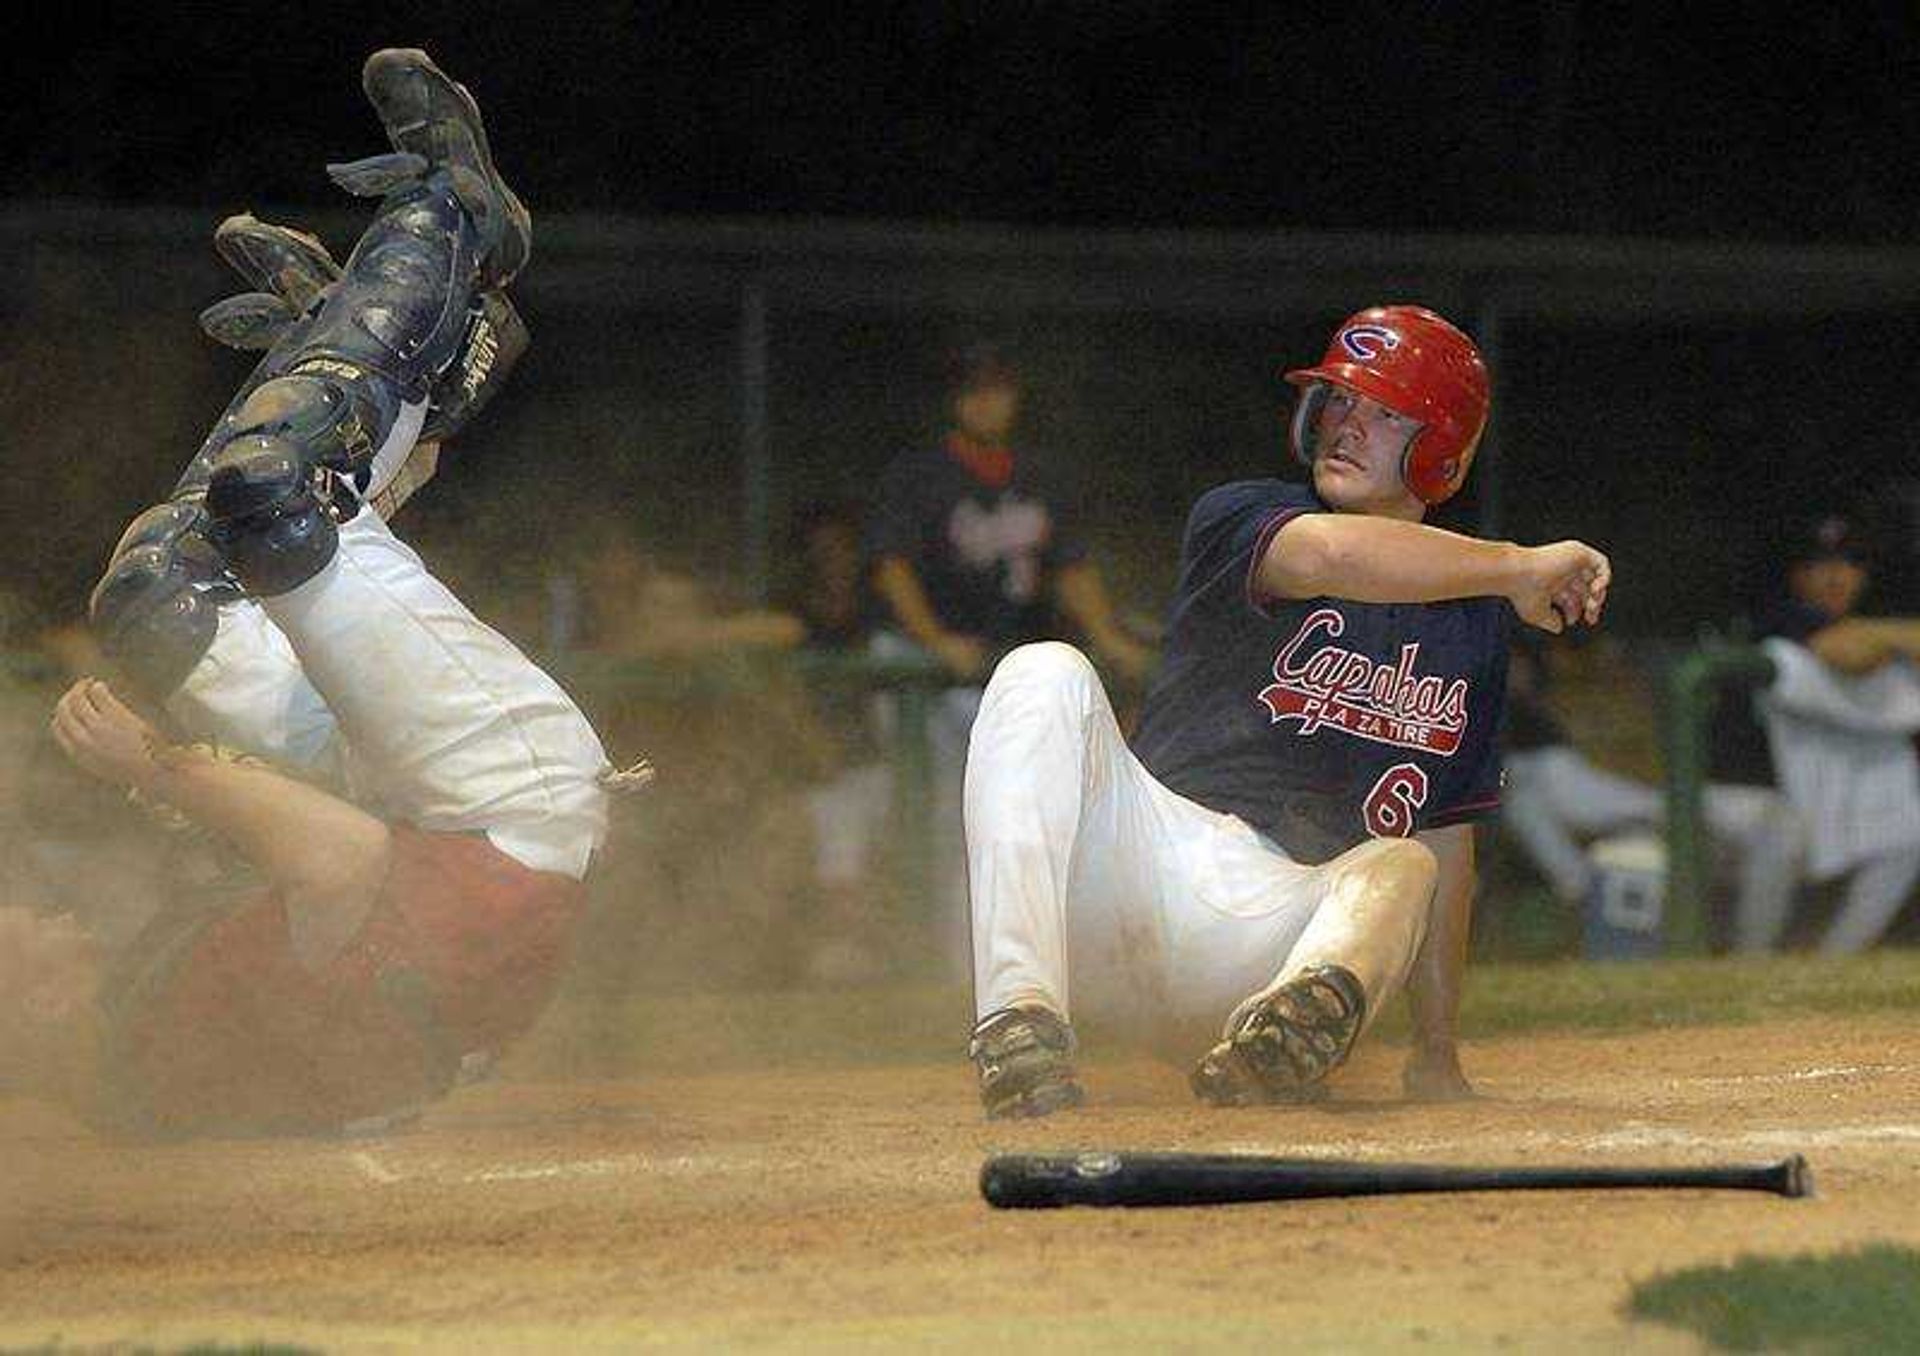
{"x":1463,"y":813}
{"x":1257,"y":598}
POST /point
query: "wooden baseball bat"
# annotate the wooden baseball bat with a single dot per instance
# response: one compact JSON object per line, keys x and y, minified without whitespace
{"x":1034,"y":1181}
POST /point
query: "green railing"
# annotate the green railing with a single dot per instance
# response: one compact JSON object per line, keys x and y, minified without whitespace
{"x":1693,"y":684}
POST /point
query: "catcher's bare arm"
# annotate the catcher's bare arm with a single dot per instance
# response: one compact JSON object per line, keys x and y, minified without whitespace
{"x":326,"y":858}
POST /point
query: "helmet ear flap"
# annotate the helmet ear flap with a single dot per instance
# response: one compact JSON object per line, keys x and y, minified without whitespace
{"x":1436,"y":473}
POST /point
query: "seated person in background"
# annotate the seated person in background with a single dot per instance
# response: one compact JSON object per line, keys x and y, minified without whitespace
{"x":850,"y":803}
{"x":743,"y":741}
{"x":1558,"y":800}
{"x":1840,"y":716}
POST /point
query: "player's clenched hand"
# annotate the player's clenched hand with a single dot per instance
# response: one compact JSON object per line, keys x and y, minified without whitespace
{"x":1561,"y":585}
{"x":100,"y":733}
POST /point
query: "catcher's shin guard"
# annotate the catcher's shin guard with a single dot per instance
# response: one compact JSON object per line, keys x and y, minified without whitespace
{"x":270,"y":506}
{"x":291,"y":271}
{"x":336,"y":379}
{"x":1280,"y":1046}
{"x":293,"y":454}
{"x":1024,"y":1057}
{"x":495,"y":338}
{"x":155,"y":610}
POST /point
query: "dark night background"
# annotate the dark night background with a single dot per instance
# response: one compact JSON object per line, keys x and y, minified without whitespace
{"x":1757,"y":122}
{"x":1678,"y":444}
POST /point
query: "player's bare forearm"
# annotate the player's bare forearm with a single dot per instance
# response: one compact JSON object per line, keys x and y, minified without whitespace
{"x":906,"y":597}
{"x":1083,"y":597}
{"x":1384,"y":560}
{"x":897,"y":584}
{"x":1439,"y":971}
{"x":327,"y":856}
{"x":1862,"y":644}
{"x":1372,"y":559}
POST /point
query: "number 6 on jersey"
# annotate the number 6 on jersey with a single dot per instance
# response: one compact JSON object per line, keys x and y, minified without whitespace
{"x":1394,"y":800}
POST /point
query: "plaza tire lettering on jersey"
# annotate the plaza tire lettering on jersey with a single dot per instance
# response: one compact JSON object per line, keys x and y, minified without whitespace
{"x":1320,"y":684}
{"x":1393,"y":805}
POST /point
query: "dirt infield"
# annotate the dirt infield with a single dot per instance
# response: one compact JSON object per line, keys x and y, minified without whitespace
{"x":838,"y":1208}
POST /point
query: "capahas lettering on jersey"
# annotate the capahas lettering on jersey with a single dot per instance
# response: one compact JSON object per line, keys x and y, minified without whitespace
{"x":1321,"y":684}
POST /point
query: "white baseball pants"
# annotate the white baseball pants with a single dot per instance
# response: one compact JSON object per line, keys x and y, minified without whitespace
{"x":1169,"y":910}
{"x":449,"y":726}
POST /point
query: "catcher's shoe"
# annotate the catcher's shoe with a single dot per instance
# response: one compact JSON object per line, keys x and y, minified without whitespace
{"x":291,"y":264}
{"x":1025,"y":1060}
{"x":288,"y":270}
{"x":1280,"y":1046}
{"x":429,"y":116}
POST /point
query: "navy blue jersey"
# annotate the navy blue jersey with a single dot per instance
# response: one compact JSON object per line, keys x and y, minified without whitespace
{"x":1321,"y":722}
{"x":984,"y":553}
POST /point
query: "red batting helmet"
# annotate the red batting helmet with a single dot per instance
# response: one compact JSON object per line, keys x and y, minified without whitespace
{"x":1419,"y":366}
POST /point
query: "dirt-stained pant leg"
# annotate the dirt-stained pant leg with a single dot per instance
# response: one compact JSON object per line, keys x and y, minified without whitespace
{"x":1172,"y":911}
{"x":1374,"y":903}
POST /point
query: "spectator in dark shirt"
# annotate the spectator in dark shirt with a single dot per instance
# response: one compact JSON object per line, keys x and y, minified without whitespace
{"x":975,"y":552}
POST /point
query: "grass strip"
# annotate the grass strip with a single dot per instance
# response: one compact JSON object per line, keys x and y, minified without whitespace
{"x":1863,"y":1300}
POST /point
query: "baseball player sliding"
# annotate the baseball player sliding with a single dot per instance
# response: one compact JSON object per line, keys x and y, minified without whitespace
{"x":267,"y":604}
{"x":1289,"y":840}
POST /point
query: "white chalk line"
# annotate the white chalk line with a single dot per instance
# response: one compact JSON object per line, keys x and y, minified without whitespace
{"x":1796,"y":1076}
{"x":542,"y":1172}
{"x":1802,"y":1137}
{"x":1627,"y":1137}
{"x":680,"y":1165}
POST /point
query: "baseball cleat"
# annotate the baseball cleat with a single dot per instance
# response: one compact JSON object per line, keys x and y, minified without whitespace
{"x":289,"y":271}
{"x":291,"y":264}
{"x":1280,"y":1046}
{"x":1025,"y":1060}
{"x":429,"y":116}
